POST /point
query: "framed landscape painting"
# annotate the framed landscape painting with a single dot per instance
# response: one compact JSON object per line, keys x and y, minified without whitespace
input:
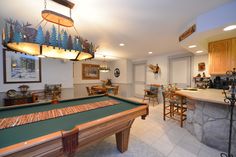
{"x":90,"y":72}
{"x":21,"y":68}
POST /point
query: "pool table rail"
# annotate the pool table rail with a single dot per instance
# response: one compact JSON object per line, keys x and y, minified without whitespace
{"x":89,"y":133}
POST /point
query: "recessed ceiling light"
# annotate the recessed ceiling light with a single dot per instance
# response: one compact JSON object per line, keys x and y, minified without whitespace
{"x":122,"y":44}
{"x":229,"y":28}
{"x":150,"y":52}
{"x":192,"y":46}
{"x":199,"y":51}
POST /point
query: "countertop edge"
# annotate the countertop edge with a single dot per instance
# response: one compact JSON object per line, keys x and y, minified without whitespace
{"x":190,"y":96}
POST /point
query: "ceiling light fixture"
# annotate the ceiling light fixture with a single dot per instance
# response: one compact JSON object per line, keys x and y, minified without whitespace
{"x":55,"y":44}
{"x":104,"y":67}
{"x":150,"y":52}
{"x":41,"y":56}
{"x":199,"y":51}
{"x":122,"y":44}
{"x":229,"y":28}
{"x":192,"y":46}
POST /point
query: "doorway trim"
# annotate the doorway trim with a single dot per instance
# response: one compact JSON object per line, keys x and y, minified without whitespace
{"x":143,"y":62}
{"x":186,"y":55}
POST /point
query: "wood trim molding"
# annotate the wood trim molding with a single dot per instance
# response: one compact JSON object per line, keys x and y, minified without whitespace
{"x":187,"y":33}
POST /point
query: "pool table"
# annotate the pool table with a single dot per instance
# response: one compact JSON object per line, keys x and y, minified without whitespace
{"x":44,"y":138}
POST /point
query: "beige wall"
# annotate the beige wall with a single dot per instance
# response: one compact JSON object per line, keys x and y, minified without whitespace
{"x":199,"y":59}
{"x":163,"y":61}
{"x":54,"y":71}
{"x":78,"y":73}
{"x":124,"y":80}
{"x":126,"y":76}
{"x":126,"y":70}
{"x":162,"y":76}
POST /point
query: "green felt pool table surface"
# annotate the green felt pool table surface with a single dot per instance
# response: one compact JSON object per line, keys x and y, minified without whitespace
{"x":26,"y":132}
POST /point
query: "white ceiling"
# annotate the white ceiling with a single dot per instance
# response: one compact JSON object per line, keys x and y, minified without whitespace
{"x":143,"y":25}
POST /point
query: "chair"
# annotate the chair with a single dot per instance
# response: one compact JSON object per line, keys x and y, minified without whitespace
{"x":70,"y":141}
{"x":151,"y":94}
{"x":113,"y":90}
{"x":174,"y":106}
{"x":116,"y":90}
{"x":90,"y":91}
{"x":98,"y":89}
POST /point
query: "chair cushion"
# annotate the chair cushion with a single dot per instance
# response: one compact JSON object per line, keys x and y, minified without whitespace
{"x":153,"y":90}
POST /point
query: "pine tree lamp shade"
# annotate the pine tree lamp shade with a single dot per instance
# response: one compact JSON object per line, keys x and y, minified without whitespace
{"x":62,"y":49}
{"x":56,"y":43}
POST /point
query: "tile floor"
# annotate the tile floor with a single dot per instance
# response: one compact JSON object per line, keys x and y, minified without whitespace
{"x":154,"y":137}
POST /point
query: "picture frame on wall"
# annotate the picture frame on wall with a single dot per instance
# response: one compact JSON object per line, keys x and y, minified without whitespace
{"x":21,"y":68}
{"x":201,"y":66}
{"x":90,"y":72}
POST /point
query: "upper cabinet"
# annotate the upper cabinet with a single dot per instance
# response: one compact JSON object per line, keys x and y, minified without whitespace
{"x":233,"y":60}
{"x":208,"y":27}
{"x":222,"y":56}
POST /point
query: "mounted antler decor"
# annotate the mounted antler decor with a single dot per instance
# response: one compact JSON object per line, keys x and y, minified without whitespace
{"x":154,"y":68}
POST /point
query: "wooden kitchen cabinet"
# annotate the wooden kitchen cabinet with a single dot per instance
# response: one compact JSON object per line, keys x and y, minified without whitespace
{"x":233,"y":60}
{"x":222,"y":56}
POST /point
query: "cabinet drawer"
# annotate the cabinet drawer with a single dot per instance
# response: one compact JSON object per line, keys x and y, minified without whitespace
{"x":17,"y":101}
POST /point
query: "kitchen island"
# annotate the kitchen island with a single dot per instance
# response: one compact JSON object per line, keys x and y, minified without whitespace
{"x":208,"y":118}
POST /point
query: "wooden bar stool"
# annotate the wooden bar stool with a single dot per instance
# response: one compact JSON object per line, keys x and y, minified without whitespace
{"x":166,"y":105}
{"x":174,"y":107}
{"x":90,"y":91}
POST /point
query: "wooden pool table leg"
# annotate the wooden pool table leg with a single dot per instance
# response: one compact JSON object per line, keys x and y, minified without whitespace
{"x":122,"y":140}
{"x":147,"y":113}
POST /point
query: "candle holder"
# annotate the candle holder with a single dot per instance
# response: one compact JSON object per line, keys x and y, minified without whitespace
{"x":230,"y":99}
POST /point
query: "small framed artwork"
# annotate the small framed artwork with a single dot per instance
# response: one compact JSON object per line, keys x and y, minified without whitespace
{"x":90,"y":72}
{"x":21,"y":68}
{"x":117,"y":72}
{"x":201,"y":66}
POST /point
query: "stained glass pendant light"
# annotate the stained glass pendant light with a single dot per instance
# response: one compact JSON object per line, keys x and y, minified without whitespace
{"x":56,"y":43}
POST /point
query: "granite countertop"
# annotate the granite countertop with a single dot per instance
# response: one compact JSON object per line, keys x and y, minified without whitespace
{"x":208,"y":95}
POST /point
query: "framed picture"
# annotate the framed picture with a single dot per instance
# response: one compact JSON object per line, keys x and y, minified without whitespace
{"x":201,"y":66}
{"x":21,"y":68}
{"x":90,"y":72}
{"x":117,"y":72}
